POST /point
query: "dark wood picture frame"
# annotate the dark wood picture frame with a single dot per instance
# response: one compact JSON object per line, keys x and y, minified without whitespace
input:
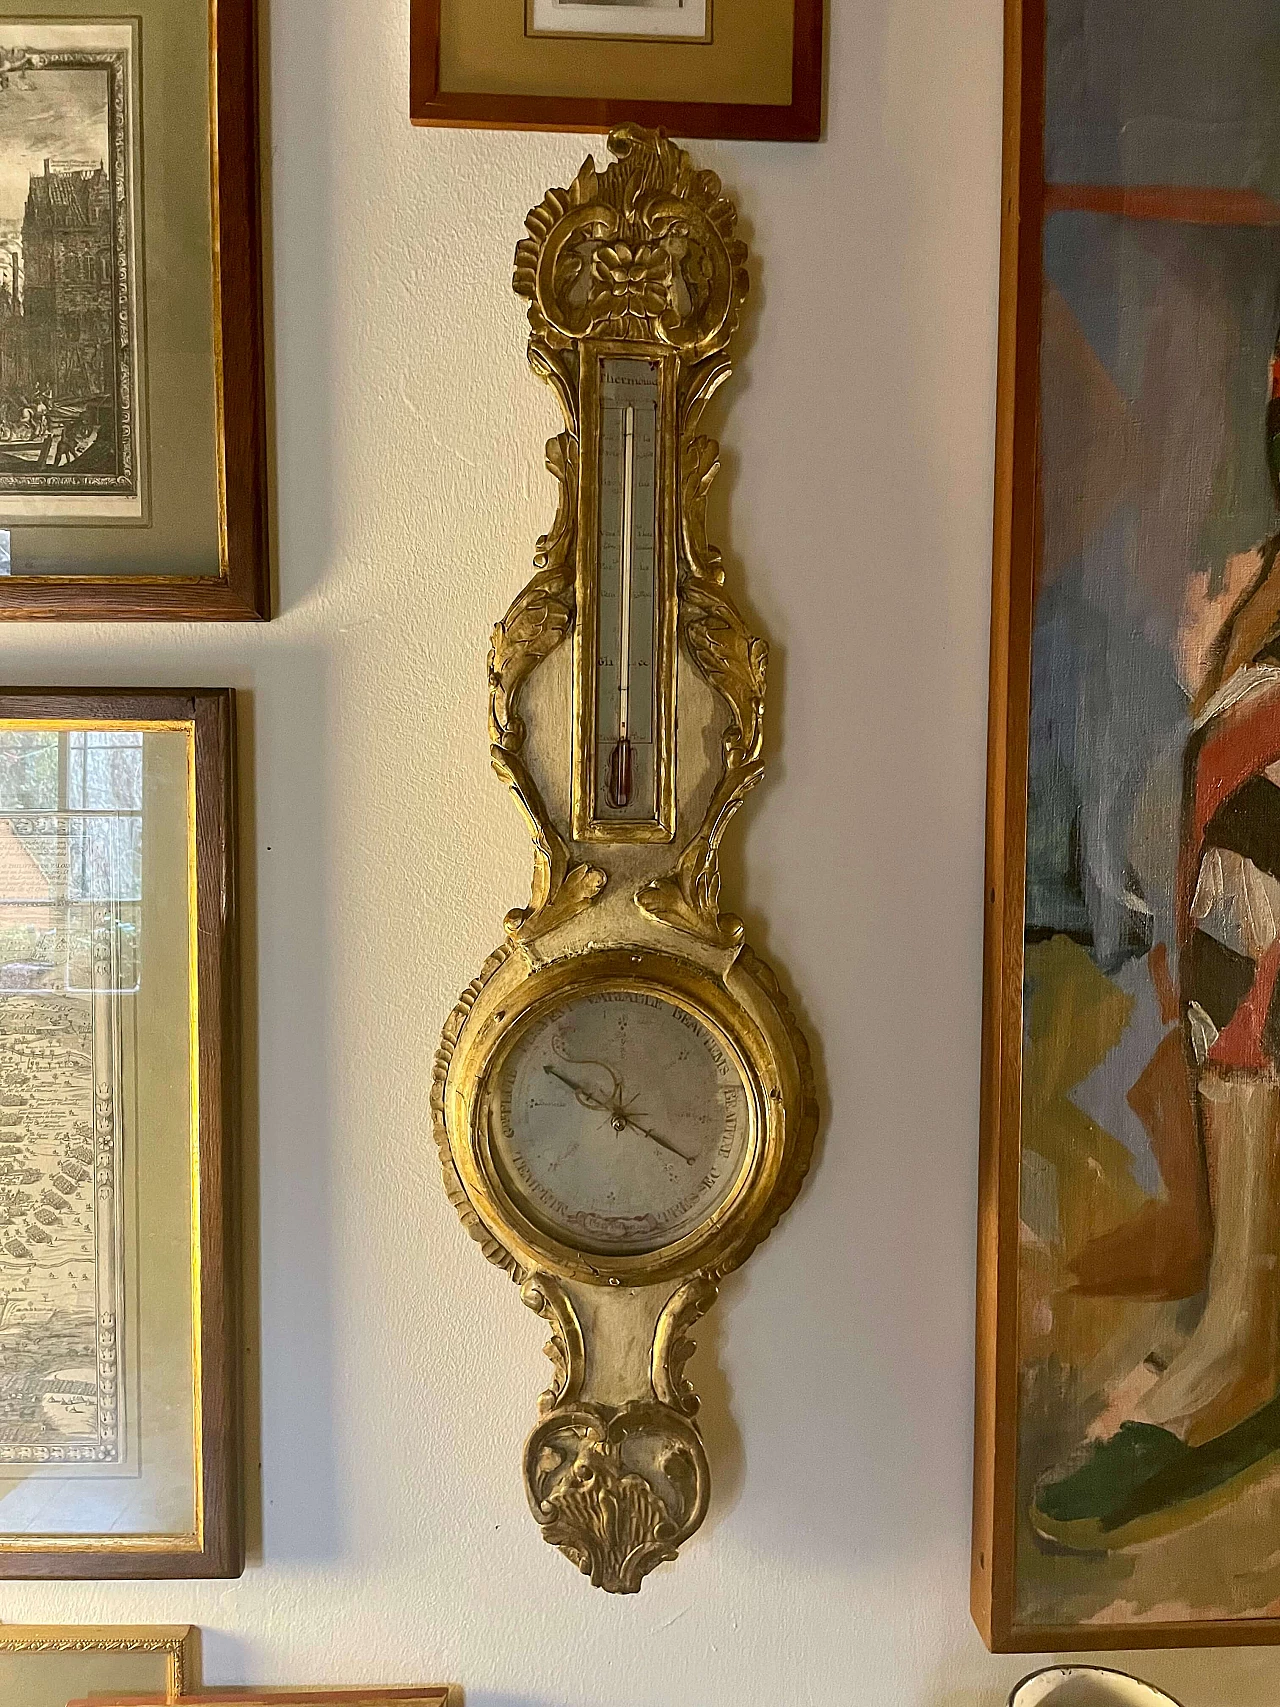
{"x":801,"y":121}
{"x":1027,"y":199}
{"x":211,"y":714}
{"x":242,"y":591}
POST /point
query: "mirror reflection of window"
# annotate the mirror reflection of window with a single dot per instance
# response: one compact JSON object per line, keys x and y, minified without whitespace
{"x":71,"y":807}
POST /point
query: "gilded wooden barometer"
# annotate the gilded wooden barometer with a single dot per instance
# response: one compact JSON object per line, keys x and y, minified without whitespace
{"x":624,"y":1103}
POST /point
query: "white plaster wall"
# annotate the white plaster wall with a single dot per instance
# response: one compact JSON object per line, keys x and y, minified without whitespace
{"x":399,"y":1371}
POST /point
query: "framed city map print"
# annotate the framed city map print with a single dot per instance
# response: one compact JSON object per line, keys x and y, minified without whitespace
{"x":717,"y":68}
{"x":132,"y":438}
{"x":44,"y":1665}
{"x":1128,"y":1413}
{"x":118,"y":1413}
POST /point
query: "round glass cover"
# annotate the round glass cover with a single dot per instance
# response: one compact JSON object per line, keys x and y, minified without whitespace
{"x":619,"y":1121}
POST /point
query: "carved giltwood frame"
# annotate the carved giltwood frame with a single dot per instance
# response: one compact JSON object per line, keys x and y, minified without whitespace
{"x":640,"y":259}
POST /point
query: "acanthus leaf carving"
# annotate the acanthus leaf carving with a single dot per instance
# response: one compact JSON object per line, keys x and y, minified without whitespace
{"x":734,"y":662}
{"x":617,"y":1490}
{"x":673,"y":1347}
{"x":540,"y":618}
{"x":565,"y":1349}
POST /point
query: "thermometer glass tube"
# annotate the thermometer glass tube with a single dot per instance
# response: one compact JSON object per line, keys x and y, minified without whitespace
{"x":625,"y":783}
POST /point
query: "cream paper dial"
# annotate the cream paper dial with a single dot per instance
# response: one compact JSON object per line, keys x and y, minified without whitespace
{"x":620,"y":1122}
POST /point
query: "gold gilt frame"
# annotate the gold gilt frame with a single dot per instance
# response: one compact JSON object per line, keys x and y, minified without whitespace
{"x":639,"y":260}
{"x":177,"y":1641}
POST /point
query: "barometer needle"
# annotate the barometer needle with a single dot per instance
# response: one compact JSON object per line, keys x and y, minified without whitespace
{"x":584,"y":1096}
{"x":659,"y":1139}
{"x":615,"y":1112}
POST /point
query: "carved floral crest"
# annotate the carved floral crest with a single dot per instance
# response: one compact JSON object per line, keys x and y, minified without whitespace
{"x":643,"y":250}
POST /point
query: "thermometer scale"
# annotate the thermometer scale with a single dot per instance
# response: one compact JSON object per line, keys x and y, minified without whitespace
{"x":626,"y":679}
{"x":621,"y":773}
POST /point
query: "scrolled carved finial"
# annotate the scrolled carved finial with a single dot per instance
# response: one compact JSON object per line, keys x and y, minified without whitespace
{"x":644,"y":250}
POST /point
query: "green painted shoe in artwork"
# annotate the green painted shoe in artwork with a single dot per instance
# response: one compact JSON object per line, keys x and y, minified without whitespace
{"x":1144,"y":1482}
{"x":1074,"y":1509}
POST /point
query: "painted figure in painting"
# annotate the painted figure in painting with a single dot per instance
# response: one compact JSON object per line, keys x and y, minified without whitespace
{"x":1183,"y":1437}
{"x":1149,"y":1267}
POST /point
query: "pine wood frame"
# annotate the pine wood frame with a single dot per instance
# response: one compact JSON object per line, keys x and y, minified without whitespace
{"x":242,"y":591}
{"x":1026,"y":200}
{"x":801,"y":121}
{"x":219,"y":1548}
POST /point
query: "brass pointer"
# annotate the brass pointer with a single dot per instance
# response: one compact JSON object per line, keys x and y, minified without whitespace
{"x":619,"y":1119}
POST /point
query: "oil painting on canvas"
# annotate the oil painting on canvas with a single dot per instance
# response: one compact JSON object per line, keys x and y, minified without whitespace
{"x":1142,"y":1490}
{"x":71,"y":438}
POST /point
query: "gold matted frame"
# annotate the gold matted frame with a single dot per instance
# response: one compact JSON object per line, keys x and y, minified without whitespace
{"x":178,"y":1643}
{"x":215,"y":1547}
{"x":473,"y":65}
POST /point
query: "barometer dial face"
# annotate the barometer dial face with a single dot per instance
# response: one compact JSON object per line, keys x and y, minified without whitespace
{"x":619,"y":1121}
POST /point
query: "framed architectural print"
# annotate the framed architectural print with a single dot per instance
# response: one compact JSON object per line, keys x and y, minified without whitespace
{"x":119,"y":1444}
{"x":717,"y":68}
{"x":1128,"y":1446}
{"x":132,"y":412}
{"x":49,"y":1665}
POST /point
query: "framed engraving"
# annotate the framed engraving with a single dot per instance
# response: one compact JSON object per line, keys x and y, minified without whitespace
{"x":132,"y":414}
{"x":72,"y":435}
{"x":118,"y":1437}
{"x":621,"y":20}
{"x":717,"y":68}
{"x":47,"y":1665}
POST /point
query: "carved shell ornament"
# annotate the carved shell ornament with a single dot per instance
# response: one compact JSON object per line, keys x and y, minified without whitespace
{"x":634,"y":268}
